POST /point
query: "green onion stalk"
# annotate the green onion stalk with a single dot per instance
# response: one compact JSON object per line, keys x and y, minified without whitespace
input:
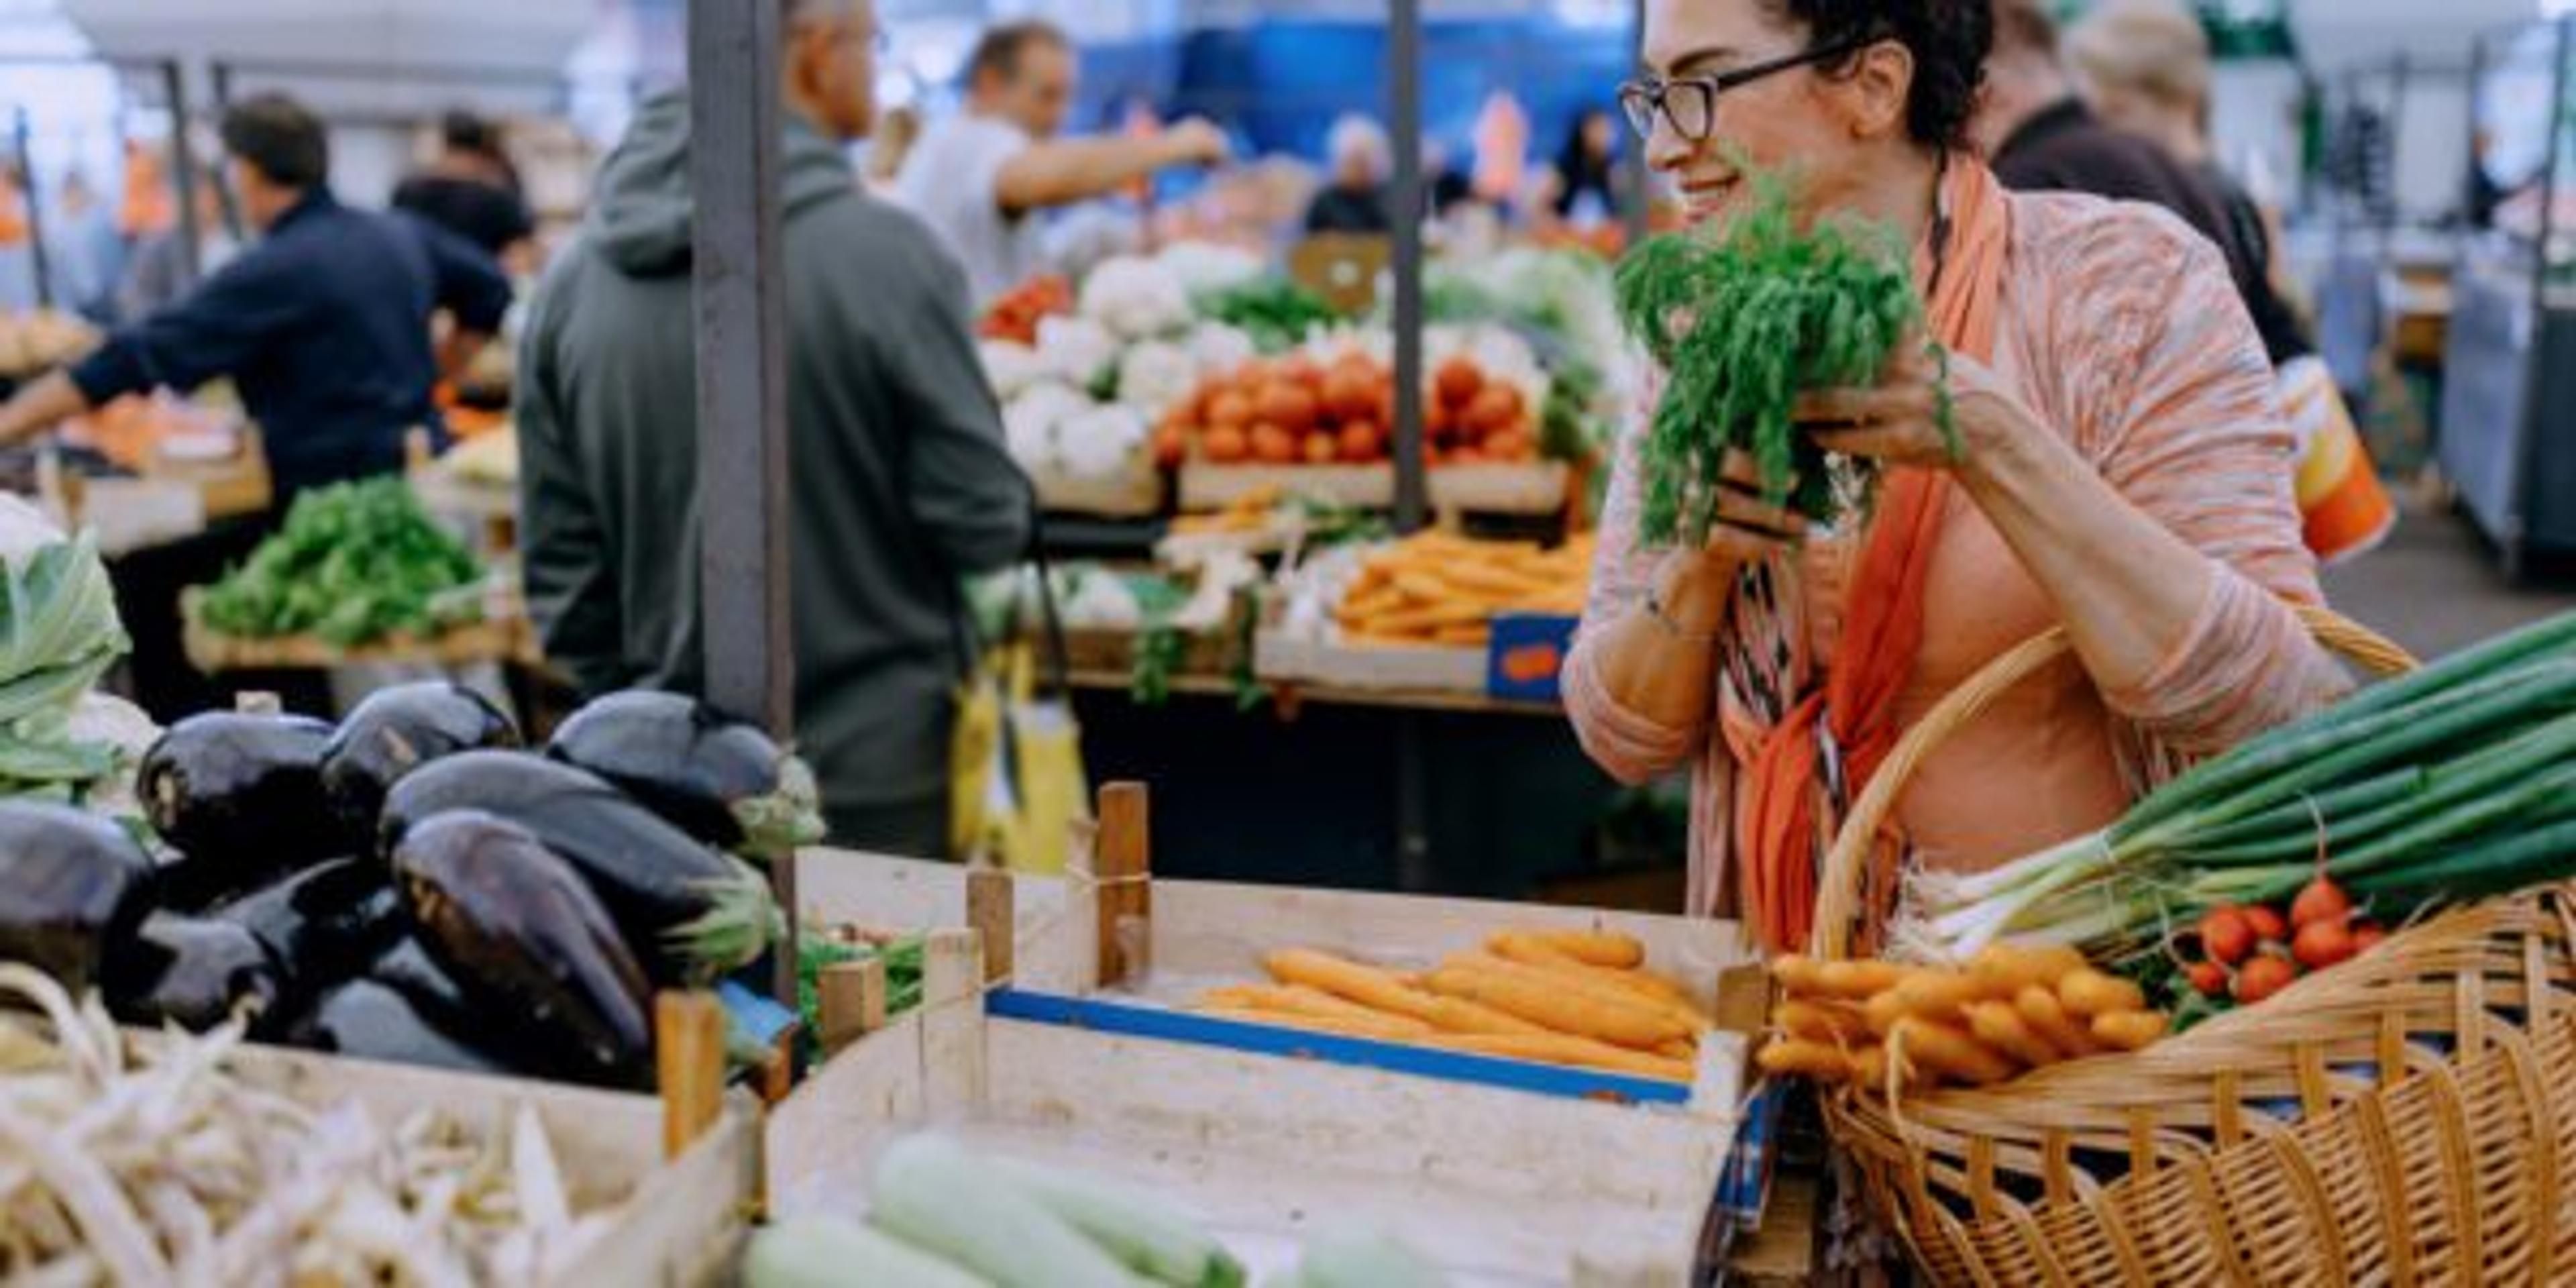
{"x":2453,"y":782}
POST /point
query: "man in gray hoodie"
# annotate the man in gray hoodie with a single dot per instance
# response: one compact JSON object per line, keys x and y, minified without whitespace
{"x":898,"y":478}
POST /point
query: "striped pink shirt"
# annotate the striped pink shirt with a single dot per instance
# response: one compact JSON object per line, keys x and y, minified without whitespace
{"x":2122,"y":329}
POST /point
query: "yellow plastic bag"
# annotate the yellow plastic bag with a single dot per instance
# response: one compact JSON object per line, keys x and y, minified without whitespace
{"x":1048,"y":792}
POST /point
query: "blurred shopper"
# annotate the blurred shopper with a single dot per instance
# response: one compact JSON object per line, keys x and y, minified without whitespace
{"x":2039,"y":136}
{"x":1355,"y":200}
{"x":900,"y":482}
{"x":981,"y":178}
{"x":1588,"y":165}
{"x":471,"y":189}
{"x":87,"y":254}
{"x":158,"y":276}
{"x":889,"y":146}
{"x":323,"y":325}
{"x":2145,"y":67}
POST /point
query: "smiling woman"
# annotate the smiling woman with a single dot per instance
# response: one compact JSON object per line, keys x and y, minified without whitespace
{"x":2125,"y":475}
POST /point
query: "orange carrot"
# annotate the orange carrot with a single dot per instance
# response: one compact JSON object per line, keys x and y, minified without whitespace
{"x":1558,"y":1048}
{"x":1615,"y":949}
{"x":1564,"y":1010}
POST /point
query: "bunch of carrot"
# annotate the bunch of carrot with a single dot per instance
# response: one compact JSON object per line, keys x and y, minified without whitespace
{"x":2007,"y":1011}
{"x":1580,"y":998}
{"x":1435,"y":588}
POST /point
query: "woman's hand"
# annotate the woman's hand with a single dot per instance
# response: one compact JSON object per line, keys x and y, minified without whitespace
{"x":1898,"y":423}
{"x":1694,"y":586}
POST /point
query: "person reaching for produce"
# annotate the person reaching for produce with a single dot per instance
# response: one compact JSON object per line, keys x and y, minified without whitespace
{"x":2120,"y":469}
{"x":324,"y":324}
{"x":980,"y":179}
{"x":901,"y":482}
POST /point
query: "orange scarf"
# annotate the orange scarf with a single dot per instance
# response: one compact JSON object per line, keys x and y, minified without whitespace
{"x":1782,"y":820}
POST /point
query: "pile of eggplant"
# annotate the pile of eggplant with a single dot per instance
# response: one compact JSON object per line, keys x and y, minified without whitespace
{"x":413,"y":885}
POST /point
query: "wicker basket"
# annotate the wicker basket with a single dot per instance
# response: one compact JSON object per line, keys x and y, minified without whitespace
{"x":2265,"y":1146}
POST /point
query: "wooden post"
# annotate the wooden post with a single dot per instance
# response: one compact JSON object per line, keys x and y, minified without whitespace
{"x":952,"y":1022}
{"x":1122,"y":865}
{"x":853,"y":997}
{"x":689,"y":1055}
{"x":989,"y":910}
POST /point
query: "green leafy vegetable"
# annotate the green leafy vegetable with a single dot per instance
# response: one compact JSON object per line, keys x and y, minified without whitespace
{"x":1743,"y":325}
{"x":1275,"y":313}
{"x":355,"y":562}
{"x":814,"y":952}
{"x":59,"y":633}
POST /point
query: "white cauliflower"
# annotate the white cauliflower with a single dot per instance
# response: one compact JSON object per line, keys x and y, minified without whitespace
{"x":1075,"y":350}
{"x":1030,"y":422}
{"x":1011,"y":367}
{"x":1155,"y":376}
{"x":1206,"y":266}
{"x":1219,"y":349}
{"x":1101,"y":443}
{"x":1135,"y":298}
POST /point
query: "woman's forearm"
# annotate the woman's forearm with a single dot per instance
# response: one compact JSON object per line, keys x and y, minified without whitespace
{"x":2128,"y":590}
{"x":1663,"y":671}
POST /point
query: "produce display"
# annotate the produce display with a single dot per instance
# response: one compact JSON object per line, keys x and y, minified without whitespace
{"x":942,"y":1214}
{"x":1578,"y":998}
{"x":161,"y":1163}
{"x":835,"y":945}
{"x":39,"y":340}
{"x":1276,"y":313}
{"x":410,"y":886}
{"x":59,"y":635}
{"x":2448,"y":784}
{"x":1431,"y":589}
{"x":1310,"y":410}
{"x":1888,"y":1027}
{"x":1742,"y":325}
{"x":1084,"y":375}
{"x":354,"y":563}
{"x":1434,"y":588}
{"x":2288,"y":855}
{"x":1015,"y":315}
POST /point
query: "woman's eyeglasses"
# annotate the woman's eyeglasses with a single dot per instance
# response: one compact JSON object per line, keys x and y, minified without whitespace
{"x":1690,"y":102}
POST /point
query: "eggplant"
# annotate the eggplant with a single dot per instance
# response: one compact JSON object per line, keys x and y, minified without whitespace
{"x":242,"y":793}
{"x":517,"y":927}
{"x":322,"y":926}
{"x":408,"y":969}
{"x":720,"y":779}
{"x":689,"y":913}
{"x":192,"y":971}
{"x":395,"y":731}
{"x":73,"y":887}
{"x":369,"y":1021}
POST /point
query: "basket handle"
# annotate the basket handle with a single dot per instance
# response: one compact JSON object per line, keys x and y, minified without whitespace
{"x":1838,"y":886}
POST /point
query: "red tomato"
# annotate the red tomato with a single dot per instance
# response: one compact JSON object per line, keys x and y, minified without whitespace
{"x":1458,"y":380}
{"x":1362,"y":442}
{"x":1226,"y":445}
{"x":1229,"y":409}
{"x":1286,"y":404}
{"x":1272,"y":445}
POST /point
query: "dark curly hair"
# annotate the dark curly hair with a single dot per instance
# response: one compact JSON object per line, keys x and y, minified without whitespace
{"x":1948,"y":38}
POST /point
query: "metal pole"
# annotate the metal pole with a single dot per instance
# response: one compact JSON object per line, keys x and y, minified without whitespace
{"x":37,"y":253}
{"x":183,"y":168}
{"x":2399,"y":75}
{"x":1639,"y":208}
{"x":2527,"y":426}
{"x":742,"y":381}
{"x":1404,"y":86}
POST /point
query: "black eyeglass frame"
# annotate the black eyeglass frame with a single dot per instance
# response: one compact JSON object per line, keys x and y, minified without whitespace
{"x":1646,"y":99}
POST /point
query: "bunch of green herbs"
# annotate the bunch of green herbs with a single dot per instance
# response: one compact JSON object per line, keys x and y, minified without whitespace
{"x":354,"y":563}
{"x":1745,"y":321}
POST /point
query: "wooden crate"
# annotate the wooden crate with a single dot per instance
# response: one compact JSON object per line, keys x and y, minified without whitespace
{"x":1136,"y":495}
{"x":678,"y":1221}
{"x":1495,"y":1186}
{"x":1279,"y":657}
{"x":1525,"y":488}
{"x":506,"y":637}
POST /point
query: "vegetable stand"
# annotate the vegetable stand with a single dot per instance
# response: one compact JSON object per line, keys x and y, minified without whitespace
{"x":676,"y":1221}
{"x":1267,"y":1151}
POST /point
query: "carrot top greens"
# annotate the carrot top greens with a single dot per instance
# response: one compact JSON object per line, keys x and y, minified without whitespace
{"x":1743,"y":323}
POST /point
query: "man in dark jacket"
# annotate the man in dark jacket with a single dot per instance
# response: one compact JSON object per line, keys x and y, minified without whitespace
{"x":324,"y":324}
{"x":2040,"y":138}
{"x":899,"y":481}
